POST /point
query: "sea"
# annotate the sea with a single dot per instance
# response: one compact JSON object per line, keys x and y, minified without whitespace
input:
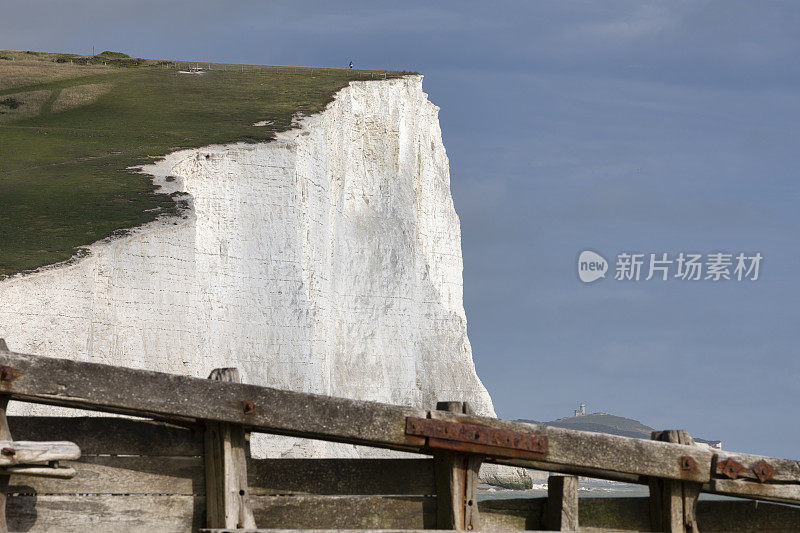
{"x":587,"y":488}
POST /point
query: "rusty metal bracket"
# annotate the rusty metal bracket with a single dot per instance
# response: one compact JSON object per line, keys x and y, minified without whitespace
{"x":763,"y":471}
{"x":730,"y":468}
{"x":249,"y":407}
{"x":688,"y":464}
{"x":8,"y":373}
{"x":473,"y":438}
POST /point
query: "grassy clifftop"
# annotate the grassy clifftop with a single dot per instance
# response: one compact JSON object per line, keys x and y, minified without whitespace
{"x":71,"y":126}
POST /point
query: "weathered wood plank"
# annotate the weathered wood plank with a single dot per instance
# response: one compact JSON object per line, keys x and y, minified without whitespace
{"x":5,"y":434}
{"x":39,"y":471}
{"x":450,"y":473}
{"x":227,"y":495}
{"x":562,"y":503}
{"x":29,"y":453}
{"x":727,"y":516}
{"x":631,"y":514}
{"x":776,"y":492}
{"x":355,"y":512}
{"x":120,"y":514}
{"x":666,"y":505}
{"x":575,"y":470}
{"x":599,"y":452}
{"x":120,"y":390}
{"x":341,"y":476}
{"x":111,"y":435}
{"x":274,"y":476}
{"x":182,"y":513}
{"x":744,"y":488}
{"x":456,"y":477}
{"x":184,"y":475}
{"x":121,"y":475}
{"x":783,"y":469}
{"x":154,"y":394}
{"x":673,"y":503}
{"x":614,"y":514}
{"x":472,"y":519}
{"x":515,"y":514}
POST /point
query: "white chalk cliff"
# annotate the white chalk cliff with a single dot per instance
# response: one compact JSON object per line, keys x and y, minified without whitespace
{"x":326,"y":261}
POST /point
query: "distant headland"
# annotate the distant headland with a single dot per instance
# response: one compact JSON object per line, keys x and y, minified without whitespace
{"x":608,"y":423}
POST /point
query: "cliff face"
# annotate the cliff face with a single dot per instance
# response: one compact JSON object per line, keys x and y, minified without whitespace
{"x":327,"y":261}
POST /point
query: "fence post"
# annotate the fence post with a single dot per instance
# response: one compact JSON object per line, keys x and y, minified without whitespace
{"x":456,"y":482}
{"x":562,"y":503}
{"x":5,"y":434}
{"x":227,"y":496}
{"x":673,"y":503}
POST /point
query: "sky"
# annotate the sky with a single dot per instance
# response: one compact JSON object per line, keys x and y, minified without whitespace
{"x":646,"y":127}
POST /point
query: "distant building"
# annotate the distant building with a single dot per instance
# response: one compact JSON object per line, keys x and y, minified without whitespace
{"x":580,"y":411}
{"x":197,"y":69}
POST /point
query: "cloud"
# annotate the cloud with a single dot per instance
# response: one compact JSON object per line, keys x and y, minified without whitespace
{"x":626,"y":27}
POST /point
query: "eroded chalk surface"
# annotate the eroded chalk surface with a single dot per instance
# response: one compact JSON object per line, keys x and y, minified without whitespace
{"x":327,"y":261}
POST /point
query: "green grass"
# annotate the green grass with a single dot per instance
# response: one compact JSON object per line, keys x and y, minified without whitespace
{"x":115,"y":55}
{"x":64,"y":181}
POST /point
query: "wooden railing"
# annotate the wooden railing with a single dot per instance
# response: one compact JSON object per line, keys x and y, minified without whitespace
{"x":193,"y":468}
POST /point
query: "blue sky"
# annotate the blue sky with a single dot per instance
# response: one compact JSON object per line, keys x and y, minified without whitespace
{"x":613,"y":126}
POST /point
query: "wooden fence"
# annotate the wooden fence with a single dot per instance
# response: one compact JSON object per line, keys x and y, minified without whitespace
{"x":190,"y":467}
